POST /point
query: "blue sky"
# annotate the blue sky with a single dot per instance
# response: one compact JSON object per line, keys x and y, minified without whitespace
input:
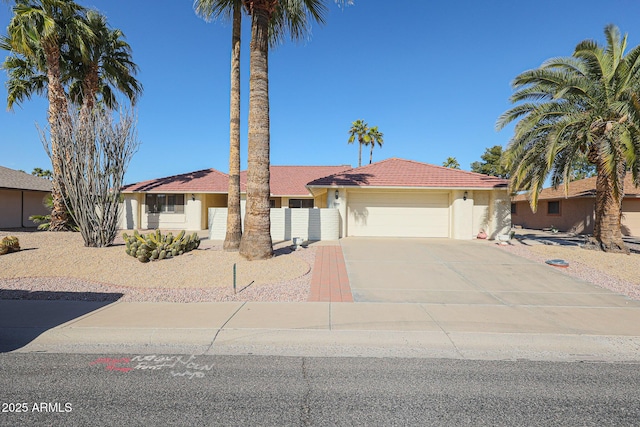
{"x":432,"y":75}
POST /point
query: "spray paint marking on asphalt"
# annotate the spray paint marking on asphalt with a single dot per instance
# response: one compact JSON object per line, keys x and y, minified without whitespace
{"x":178,"y":366}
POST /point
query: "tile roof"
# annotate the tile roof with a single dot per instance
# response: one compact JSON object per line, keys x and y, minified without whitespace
{"x":580,"y":188}
{"x":11,"y":178}
{"x":292,"y":180}
{"x":396,"y":172}
{"x":204,"y":181}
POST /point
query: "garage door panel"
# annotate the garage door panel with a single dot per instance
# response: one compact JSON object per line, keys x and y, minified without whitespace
{"x":399,"y":214}
{"x":631,"y":218}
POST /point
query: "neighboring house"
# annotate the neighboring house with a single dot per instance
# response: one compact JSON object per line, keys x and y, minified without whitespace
{"x":183,"y":201}
{"x":404,"y":198}
{"x":573,"y":211}
{"x":21,"y":195}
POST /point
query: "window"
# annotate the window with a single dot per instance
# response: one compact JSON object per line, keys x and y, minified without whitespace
{"x":272,"y":203}
{"x":514,"y":209}
{"x":553,"y":208}
{"x":300,"y":203}
{"x":164,"y":203}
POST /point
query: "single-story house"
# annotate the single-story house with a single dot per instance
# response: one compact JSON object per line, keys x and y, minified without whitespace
{"x":405,"y":198}
{"x":21,"y":195}
{"x":183,"y":201}
{"x":174,"y":202}
{"x":574,"y":211}
{"x":394,"y":197}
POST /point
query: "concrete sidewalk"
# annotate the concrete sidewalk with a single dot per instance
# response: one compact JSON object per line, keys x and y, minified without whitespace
{"x":459,"y":331}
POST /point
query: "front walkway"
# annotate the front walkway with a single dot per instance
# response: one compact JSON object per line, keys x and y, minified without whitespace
{"x":330,"y":282}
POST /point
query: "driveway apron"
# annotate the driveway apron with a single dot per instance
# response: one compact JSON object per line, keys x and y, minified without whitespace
{"x":444,"y":271}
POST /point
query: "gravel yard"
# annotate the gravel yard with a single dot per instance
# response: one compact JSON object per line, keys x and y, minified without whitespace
{"x":58,"y":266}
{"x":52,"y":265}
{"x":616,"y":272}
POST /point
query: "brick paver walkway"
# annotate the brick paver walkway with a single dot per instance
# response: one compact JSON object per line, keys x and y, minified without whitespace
{"x":330,"y":282}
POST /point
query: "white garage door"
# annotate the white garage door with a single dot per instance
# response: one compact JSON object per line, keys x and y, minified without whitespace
{"x":398,"y":214}
{"x":631,"y":217}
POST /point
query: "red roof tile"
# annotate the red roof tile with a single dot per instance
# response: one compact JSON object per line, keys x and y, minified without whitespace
{"x":204,"y":181}
{"x":580,"y":188}
{"x":407,"y":173}
{"x":292,"y":180}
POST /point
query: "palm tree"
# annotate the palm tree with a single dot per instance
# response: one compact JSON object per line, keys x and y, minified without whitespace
{"x":360,"y":130}
{"x":219,"y":8}
{"x":26,"y":76}
{"x":584,"y":105}
{"x":269,"y":21}
{"x":106,"y":67}
{"x":42,"y":29}
{"x":375,"y":137}
{"x":451,"y":163}
{"x":42,"y":173}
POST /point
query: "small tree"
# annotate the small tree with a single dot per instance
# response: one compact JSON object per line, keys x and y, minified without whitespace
{"x":491,"y":163}
{"x":96,"y":152}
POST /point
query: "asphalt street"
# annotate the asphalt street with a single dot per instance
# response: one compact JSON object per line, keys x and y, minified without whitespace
{"x":190,"y":390}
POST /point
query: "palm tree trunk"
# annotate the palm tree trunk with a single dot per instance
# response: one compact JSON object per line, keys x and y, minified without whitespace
{"x":256,"y":241}
{"x":57,"y":111}
{"x":607,"y":233}
{"x":371,"y":153}
{"x":234,"y":225}
{"x":360,"y":153}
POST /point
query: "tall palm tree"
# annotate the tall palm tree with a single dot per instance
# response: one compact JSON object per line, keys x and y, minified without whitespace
{"x":584,"y":105}
{"x":43,"y":29}
{"x":375,"y":137}
{"x":269,"y":21}
{"x":106,"y":67}
{"x":26,"y":76}
{"x":360,"y":131}
{"x":220,"y":8}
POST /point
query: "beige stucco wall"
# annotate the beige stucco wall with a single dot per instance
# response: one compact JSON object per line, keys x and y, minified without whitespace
{"x":499,"y":213}
{"x":340,"y":204}
{"x":576,"y":215}
{"x":481,"y":211}
{"x":16,"y":206}
{"x":130,"y":211}
{"x":461,"y":215}
{"x":194,"y":217}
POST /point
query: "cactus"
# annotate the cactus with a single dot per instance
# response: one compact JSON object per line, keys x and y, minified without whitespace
{"x":12,"y":243}
{"x":9,"y":244}
{"x":156,"y":246}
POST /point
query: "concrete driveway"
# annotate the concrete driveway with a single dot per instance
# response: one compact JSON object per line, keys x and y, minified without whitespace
{"x":443,"y":271}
